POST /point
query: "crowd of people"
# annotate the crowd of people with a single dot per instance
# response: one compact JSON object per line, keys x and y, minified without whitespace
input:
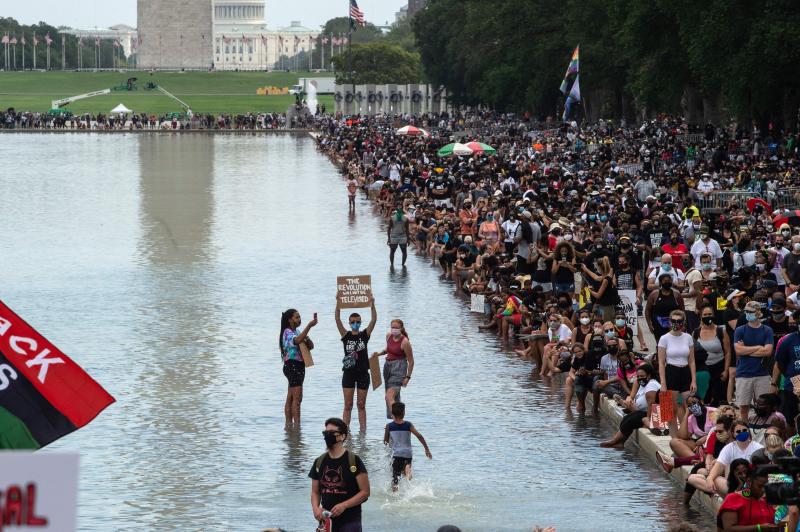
{"x":550,"y":227}
{"x":28,"y":120}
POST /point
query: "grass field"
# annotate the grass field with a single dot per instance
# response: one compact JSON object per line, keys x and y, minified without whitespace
{"x":205,"y":92}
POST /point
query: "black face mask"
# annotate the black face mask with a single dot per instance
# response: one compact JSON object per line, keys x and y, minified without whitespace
{"x":330,"y":439}
{"x":612,"y":349}
{"x":642,"y":382}
{"x":666,"y":285}
{"x":708,"y":320}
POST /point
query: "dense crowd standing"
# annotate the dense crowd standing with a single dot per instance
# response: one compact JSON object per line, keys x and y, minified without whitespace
{"x":10,"y":119}
{"x":561,"y":219}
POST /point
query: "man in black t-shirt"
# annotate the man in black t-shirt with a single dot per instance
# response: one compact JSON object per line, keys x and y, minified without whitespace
{"x":339,"y":481}
{"x":355,"y":364}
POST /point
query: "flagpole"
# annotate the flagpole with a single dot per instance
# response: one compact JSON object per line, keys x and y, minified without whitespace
{"x":63,"y":51}
{"x":34,"y":50}
{"x":23,"y":53}
{"x":350,"y":54}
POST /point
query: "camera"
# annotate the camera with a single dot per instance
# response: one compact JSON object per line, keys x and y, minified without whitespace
{"x":783,"y":492}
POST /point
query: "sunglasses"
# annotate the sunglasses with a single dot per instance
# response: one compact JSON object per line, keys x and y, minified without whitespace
{"x":355,"y":322}
{"x":740,"y":431}
{"x":608,"y":330}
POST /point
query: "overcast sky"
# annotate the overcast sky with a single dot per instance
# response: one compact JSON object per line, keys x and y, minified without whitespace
{"x":104,"y":13}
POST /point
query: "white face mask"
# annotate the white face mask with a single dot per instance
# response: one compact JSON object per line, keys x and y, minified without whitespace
{"x":585,"y":321}
{"x":395,"y":331}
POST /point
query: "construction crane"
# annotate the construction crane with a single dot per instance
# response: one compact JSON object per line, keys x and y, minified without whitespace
{"x":129,"y":85}
{"x":185,"y":106}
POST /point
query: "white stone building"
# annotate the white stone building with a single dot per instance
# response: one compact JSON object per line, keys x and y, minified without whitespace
{"x":243,"y":42}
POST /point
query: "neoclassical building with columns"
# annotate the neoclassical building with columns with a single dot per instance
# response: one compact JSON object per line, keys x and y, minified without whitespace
{"x":219,"y":34}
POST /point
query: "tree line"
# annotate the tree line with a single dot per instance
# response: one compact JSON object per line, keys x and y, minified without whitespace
{"x":71,"y":49}
{"x":710,"y":61}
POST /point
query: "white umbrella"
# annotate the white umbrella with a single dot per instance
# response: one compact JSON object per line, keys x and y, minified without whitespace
{"x":120,"y":109}
{"x":413,"y":131}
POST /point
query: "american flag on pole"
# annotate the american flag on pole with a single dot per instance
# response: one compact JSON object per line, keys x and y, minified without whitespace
{"x":13,"y":40}
{"x":226,"y":40}
{"x":116,"y":43}
{"x":263,"y":38}
{"x":80,"y":42}
{"x":356,"y":15}
{"x":47,"y":38}
{"x":324,"y":40}
{"x":97,"y":41}
{"x":35,"y":40}
{"x":245,"y":40}
{"x":22,"y":41}
{"x":4,"y":40}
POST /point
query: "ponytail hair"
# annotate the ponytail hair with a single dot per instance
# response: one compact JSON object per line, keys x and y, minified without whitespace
{"x":402,"y":327}
{"x":285,"y":317}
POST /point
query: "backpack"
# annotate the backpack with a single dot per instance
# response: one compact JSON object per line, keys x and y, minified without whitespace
{"x":351,"y":459}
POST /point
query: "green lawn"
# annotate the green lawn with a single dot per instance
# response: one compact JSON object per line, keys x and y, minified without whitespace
{"x":205,"y":92}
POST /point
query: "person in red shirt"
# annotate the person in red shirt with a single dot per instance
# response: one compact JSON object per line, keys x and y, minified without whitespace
{"x":675,"y":249}
{"x":747,"y":507}
{"x":468,"y":218}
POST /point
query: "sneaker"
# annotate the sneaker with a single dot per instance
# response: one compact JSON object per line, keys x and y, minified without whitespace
{"x":667,"y":462}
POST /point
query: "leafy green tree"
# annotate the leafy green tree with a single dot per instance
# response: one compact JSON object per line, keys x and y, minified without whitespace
{"x":377,"y":63}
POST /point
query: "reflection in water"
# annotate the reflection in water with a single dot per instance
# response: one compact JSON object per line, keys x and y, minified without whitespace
{"x":179,"y":332}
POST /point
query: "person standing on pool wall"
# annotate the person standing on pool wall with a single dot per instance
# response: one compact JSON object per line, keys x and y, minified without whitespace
{"x":294,"y":367}
{"x":399,"y":363}
{"x":355,"y":365}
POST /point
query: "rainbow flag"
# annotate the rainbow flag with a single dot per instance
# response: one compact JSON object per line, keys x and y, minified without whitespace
{"x":571,"y":69}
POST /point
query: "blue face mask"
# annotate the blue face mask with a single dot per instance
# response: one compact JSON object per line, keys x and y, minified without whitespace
{"x":750,"y":316}
{"x":743,"y":436}
{"x":592,"y":217}
{"x":619,"y":323}
{"x":490,"y":217}
{"x":603,"y":217}
{"x":707,"y":266}
{"x":610,"y":334}
{"x":355,"y":325}
{"x":666,"y":267}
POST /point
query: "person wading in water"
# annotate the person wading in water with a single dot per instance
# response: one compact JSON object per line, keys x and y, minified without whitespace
{"x":355,"y":365}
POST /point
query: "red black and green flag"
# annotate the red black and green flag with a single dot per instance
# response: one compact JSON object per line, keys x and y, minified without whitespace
{"x":44,"y":395}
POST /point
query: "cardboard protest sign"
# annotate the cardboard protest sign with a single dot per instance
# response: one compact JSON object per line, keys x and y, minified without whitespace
{"x":39,"y":491}
{"x":477,"y":303}
{"x":375,"y":372}
{"x":665,"y":404}
{"x":628,"y":303}
{"x":352,"y":291}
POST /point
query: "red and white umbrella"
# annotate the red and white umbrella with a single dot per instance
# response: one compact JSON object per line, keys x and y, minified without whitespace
{"x":413,"y":131}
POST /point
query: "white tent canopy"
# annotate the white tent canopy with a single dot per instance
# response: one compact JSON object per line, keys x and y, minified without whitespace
{"x":120,"y":109}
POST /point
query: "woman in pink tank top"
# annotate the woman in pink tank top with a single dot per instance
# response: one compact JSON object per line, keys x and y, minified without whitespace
{"x":399,"y":363}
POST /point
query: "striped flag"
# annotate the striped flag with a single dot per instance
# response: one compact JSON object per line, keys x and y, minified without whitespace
{"x":80,"y":42}
{"x":324,"y":40}
{"x":97,"y":41}
{"x":356,"y":15}
{"x":263,"y":38}
{"x":13,"y":40}
{"x":22,"y":41}
{"x":116,"y":43}
{"x":47,"y":38}
{"x":35,"y":40}
{"x":45,"y":395}
{"x":571,"y":69}
{"x":4,"y":40}
{"x":245,"y":40}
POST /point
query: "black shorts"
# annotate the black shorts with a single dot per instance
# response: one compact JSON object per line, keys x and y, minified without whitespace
{"x":679,"y":378}
{"x":355,"y":378}
{"x":398,"y":466}
{"x":295,"y":372}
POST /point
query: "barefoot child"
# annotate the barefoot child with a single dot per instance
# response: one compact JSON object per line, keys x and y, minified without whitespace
{"x":398,"y":434}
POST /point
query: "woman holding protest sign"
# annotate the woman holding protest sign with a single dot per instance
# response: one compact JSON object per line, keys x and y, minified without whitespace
{"x":399,"y":363}
{"x":355,"y":364}
{"x":294,"y":364}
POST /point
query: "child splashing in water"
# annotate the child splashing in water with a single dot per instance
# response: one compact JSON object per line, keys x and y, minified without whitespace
{"x":398,"y":435}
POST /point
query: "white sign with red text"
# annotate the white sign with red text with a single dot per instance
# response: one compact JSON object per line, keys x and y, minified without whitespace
{"x":38,"y":492}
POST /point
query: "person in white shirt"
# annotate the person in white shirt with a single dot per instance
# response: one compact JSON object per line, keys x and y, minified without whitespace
{"x":559,"y":336}
{"x":644,"y":393}
{"x":665,"y":269}
{"x":676,"y":365}
{"x":742,"y":447}
{"x":510,"y":229}
{"x":706,"y":244}
{"x":705,"y":186}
